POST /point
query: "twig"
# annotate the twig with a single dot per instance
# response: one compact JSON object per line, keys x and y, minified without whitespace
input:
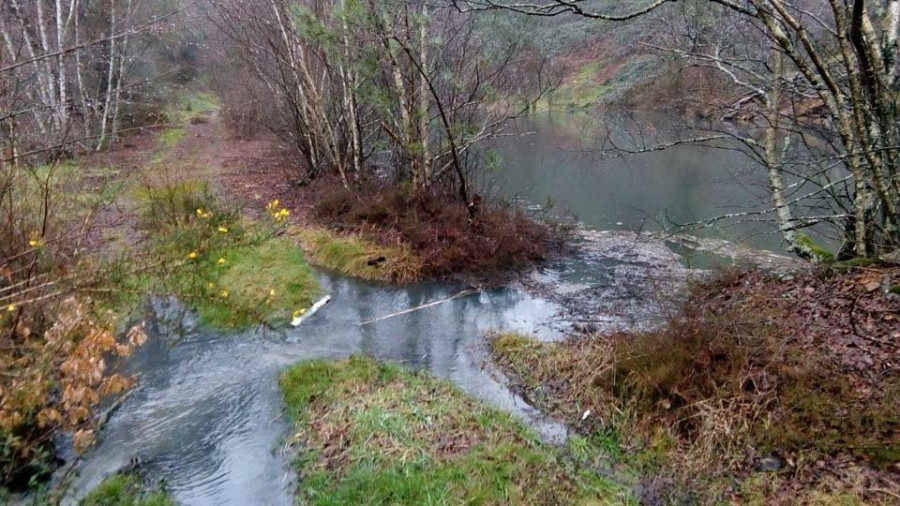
{"x":463,"y":293}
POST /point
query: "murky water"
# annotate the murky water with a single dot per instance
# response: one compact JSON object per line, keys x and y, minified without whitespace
{"x":559,"y":161}
{"x":207,"y":417}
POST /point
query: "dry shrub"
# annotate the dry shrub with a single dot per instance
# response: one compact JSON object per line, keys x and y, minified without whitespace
{"x":743,"y":373}
{"x":54,"y":342}
{"x":53,"y":379}
{"x":436,"y":227}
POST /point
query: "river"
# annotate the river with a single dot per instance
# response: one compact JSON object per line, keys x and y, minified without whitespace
{"x":207,"y":415}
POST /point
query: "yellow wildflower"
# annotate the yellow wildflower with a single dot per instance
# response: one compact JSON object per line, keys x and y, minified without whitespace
{"x":36,"y":240}
{"x":11,"y":308}
{"x":271,"y":292}
{"x":224,"y":230}
{"x":200,"y":211}
{"x":223,"y":294}
{"x":205,"y":215}
{"x":211,"y":285}
{"x":192,"y":255}
{"x":298,"y":313}
{"x":221,"y":261}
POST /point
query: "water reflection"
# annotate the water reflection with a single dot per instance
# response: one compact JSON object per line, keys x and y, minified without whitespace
{"x":560,"y":163}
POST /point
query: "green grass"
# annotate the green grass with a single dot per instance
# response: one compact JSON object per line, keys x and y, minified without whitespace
{"x":265,"y":282}
{"x":125,"y":490}
{"x":380,"y":434}
{"x":189,"y":105}
{"x":235,"y":273}
{"x":350,"y":255}
{"x":170,"y":137}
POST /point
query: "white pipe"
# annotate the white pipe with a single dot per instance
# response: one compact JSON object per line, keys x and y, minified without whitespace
{"x":315,"y":307}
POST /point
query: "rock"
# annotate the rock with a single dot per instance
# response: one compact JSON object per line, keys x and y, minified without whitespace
{"x":892,"y":258}
{"x":770,"y":464}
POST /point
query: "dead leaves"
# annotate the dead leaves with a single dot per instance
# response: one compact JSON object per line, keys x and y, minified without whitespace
{"x":56,"y":379}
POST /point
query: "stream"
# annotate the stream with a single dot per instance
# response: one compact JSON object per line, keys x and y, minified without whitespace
{"x":207,"y":416}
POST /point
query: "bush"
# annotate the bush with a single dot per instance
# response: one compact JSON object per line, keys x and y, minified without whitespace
{"x":437,"y":228}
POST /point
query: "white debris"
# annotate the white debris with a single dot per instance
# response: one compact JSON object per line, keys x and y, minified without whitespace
{"x":315,"y":307}
{"x":585,"y":415}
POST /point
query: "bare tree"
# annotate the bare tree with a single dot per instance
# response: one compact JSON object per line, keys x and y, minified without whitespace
{"x":820,"y":80}
{"x":379,"y":87}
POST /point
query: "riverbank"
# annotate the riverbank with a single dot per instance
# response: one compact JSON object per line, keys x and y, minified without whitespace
{"x":369,"y":433}
{"x":762,"y":389}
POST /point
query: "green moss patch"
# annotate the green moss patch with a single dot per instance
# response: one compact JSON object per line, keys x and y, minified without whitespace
{"x":352,"y":255}
{"x":379,"y":434}
{"x":126,"y":490}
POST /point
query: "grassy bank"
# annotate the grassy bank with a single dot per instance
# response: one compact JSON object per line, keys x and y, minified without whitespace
{"x":422,"y":235}
{"x":356,"y":256}
{"x":126,"y":490}
{"x":379,"y":434}
{"x":762,"y":390}
{"x":235,"y":272}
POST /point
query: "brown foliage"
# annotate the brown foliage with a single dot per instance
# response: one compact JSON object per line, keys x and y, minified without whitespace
{"x":437,"y":228}
{"x":799,"y":369}
{"x":53,"y":379}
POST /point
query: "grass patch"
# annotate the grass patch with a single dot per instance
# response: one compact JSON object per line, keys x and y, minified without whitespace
{"x":126,"y":490}
{"x":352,"y":255}
{"x":379,"y":434}
{"x":190,"y":106}
{"x":170,"y":137}
{"x":234,"y":273}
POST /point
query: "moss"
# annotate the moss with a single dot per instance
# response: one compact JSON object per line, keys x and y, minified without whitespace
{"x":264,"y":283}
{"x":126,"y":490}
{"x":853,"y":263}
{"x":378,"y":434}
{"x":818,"y":253}
{"x":352,"y":255}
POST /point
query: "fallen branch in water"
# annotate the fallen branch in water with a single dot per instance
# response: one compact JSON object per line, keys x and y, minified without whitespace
{"x":463,"y":293}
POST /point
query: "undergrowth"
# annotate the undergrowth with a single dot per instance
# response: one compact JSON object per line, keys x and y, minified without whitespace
{"x":719,"y":389}
{"x":380,"y":434}
{"x":126,"y":490}
{"x":437,"y":229}
{"x":235,"y":274}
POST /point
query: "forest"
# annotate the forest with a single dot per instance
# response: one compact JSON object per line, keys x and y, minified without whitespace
{"x":449,"y":252}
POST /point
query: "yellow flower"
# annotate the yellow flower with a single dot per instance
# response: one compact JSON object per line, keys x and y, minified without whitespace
{"x":223,"y":294}
{"x":221,"y":261}
{"x":192,"y":254}
{"x":36,"y":240}
{"x":11,"y":308}
{"x":211,"y":285}
{"x":271,"y":292}
{"x":298,"y":313}
{"x":200,"y":211}
{"x":223,"y":230}
{"x":205,"y":215}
